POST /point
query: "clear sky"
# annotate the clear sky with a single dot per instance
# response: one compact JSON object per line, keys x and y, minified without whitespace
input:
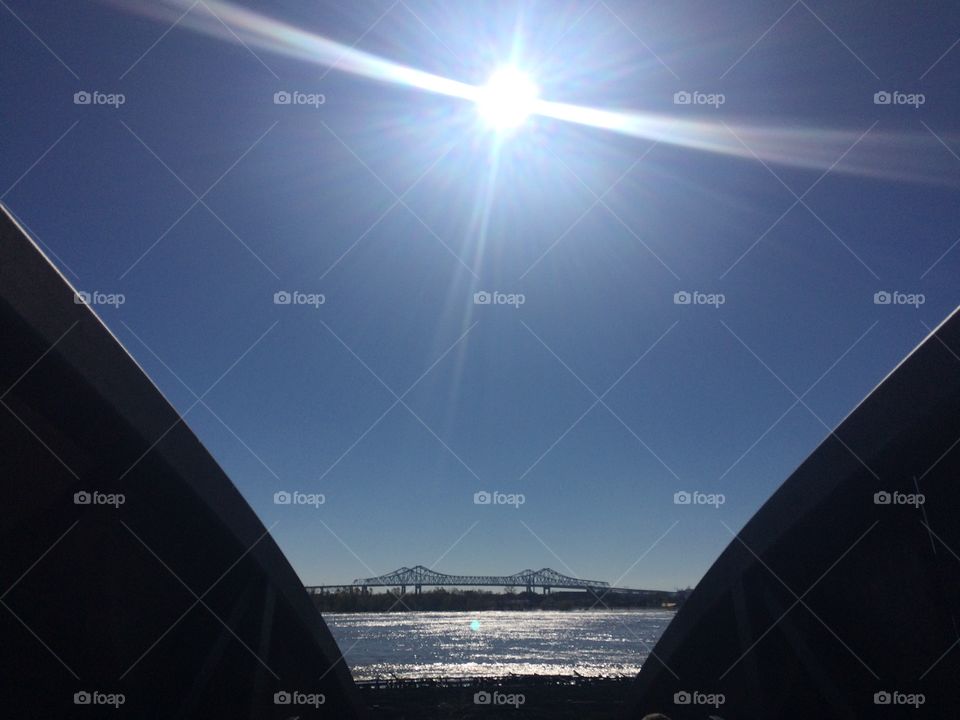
{"x":498,"y":397}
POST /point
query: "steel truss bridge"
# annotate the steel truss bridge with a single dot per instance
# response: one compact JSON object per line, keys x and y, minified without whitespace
{"x":418,"y":576}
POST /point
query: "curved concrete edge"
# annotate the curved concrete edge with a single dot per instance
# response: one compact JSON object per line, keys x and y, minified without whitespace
{"x":738,"y":635}
{"x":43,"y":298}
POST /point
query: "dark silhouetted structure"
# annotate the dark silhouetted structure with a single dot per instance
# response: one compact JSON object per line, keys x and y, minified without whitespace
{"x":840,"y":598}
{"x":129,"y":564}
{"x":418,"y":576}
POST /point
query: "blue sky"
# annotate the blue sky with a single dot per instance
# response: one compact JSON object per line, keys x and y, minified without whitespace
{"x":495,"y":397}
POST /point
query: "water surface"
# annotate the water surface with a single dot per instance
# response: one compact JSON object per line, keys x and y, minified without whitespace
{"x":495,"y":643}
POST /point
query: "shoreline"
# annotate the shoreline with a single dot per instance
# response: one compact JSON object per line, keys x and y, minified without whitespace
{"x":479,"y":681}
{"x":445,"y":611}
{"x":442,"y":600}
{"x":537,"y":696}
{"x":575,"y":676}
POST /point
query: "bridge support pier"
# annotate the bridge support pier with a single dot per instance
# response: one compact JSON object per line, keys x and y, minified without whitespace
{"x":416,"y":589}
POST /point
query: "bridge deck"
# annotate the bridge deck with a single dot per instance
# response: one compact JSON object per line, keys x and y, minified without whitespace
{"x":420,"y":576}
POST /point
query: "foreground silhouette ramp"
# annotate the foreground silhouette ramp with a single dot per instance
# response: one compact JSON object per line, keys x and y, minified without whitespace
{"x":133,"y":574}
{"x":841,"y":597}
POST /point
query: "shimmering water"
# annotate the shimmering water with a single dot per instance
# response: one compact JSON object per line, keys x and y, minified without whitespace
{"x":492,"y":643}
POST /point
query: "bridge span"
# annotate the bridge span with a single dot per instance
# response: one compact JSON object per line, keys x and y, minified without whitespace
{"x":419,"y":576}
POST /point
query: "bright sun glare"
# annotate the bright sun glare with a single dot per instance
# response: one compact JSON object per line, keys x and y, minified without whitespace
{"x":507,"y":99}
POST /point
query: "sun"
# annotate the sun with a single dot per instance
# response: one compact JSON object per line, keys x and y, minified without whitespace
{"x":507,"y":99}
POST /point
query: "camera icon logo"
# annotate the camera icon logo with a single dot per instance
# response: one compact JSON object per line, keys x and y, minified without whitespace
{"x":682,"y":298}
{"x":282,"y":697}
{"x":482,"y":698}
{"x":682,"y":698}
{"x":882,"y":298}
{"x":282,"y":297}
{"x":82,"y":97}
{"x":82,"y":698}
{"x":882,"y":698}
{"x":882,"y":98}
{"x":281,"y":497}
{"x":81,"y":297}
{"x":482,"y":298}
{"x":82,"y":498}
{"x":482,"y":498}
{"x":682,"y":497}
{"x":682,"y":98}
{"x":282,"y":97}
{"x":882,"y":498}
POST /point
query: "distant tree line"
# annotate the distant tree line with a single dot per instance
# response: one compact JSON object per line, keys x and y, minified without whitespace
{"x":444,"y":599}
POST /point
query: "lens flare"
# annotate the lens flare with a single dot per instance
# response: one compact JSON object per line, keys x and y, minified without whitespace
{"x":508,"y":98}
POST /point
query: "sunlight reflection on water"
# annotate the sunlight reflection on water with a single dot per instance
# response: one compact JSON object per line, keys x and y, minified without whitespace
{"x":493,"y":643}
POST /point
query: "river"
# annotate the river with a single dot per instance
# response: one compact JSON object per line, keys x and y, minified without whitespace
{"x":495,"y":643}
